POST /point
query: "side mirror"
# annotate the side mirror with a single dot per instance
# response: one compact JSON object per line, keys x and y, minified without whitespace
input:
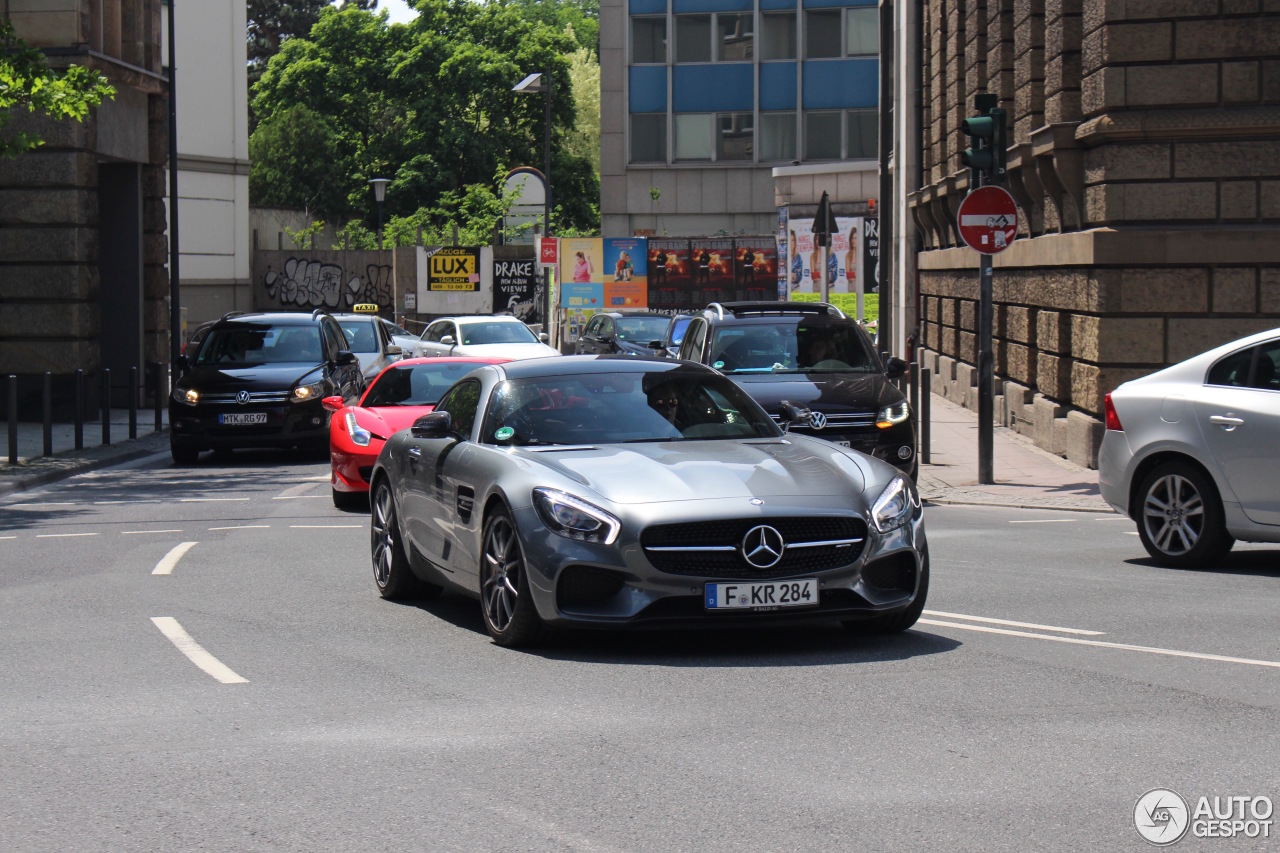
{"x":793,"y":415}
{"x":434,"y":425}
{"x":894,"y":367}
{"x":448,"y":340}
{"x":332,"y":404}
{"x":395,"y":350}
{"x":345,"y":356}
{"x":544,"y":337}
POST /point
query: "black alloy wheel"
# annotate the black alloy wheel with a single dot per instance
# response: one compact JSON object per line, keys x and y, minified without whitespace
{"x":505,"y":601}
{"x":1180,"y":519}
{"x":391,"y":571}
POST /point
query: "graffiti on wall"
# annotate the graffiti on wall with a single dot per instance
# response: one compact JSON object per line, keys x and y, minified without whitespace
{"x":309,"y":283}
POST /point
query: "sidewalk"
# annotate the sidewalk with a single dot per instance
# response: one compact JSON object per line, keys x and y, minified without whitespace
{"x":1025,"y":475}
{"x":34,"y":469}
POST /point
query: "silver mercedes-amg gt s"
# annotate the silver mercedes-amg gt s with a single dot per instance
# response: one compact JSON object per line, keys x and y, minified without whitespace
{"x":607,"y":491}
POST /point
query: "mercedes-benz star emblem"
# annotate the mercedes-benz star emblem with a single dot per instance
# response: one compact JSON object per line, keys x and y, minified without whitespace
{"x":817,"y":420}
{"x":762,"y":547}
{"x":242,"y":397}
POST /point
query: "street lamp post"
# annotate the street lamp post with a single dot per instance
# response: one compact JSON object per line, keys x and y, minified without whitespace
{"x":379,"y":194}
{"x":535,"y":84}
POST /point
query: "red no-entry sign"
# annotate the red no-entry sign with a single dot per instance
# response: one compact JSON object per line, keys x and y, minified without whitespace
{"x":988,"y":220}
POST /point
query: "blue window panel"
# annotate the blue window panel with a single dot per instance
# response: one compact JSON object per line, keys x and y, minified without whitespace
{"x":778,"y":85}
{"x":679,"y":6}
{"x":721,"y":87}
{"x":827,"y":4}
{"x":831,"y":84}
{"x":648,"y":85}
{"x":773,"y":5}
{"x":648,"y":7}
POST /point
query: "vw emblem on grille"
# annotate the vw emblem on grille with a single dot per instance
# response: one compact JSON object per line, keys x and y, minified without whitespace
{"x":817,"y":420}
{"x":242,"y":397}
{"x":762,"y":547}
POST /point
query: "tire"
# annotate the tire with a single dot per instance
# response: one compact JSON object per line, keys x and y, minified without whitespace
{"x":1180,"y":517}
{"x":349,"y":500}
{"x":183,"y":454}
{"x":894,"y":623}
{"x":506,"y":602}
{"x":391,"y":572}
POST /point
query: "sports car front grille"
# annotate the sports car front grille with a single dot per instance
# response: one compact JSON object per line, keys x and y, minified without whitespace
{"x":842,"y":539}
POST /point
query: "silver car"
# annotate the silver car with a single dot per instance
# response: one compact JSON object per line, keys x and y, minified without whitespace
{"x":611,"y":491}
{"x":1192,"y":452}
{"x":370,"y":340}
{"x":498,"y":336}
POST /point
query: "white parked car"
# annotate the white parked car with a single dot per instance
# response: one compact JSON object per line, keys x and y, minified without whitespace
{"x":498,"y":336}
{"x":1192,"y":452}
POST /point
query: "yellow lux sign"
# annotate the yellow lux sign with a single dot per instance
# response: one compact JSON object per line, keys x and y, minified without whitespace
{"x":454,"y":269}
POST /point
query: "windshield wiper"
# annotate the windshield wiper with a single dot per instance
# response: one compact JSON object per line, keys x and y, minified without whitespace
{"x":654,"y":438}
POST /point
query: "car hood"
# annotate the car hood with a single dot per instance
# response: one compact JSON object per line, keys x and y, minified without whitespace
{"x":385,"y":420}
{"x":825,"y":392}
{"x":264,"y":377}
{"x":511,"y":351}
{"x":654,"y":472}
{"x":632,"y":348}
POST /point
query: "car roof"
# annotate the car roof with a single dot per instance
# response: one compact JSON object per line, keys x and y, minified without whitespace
{"x":347,"y":315}
{"x":479,"y":318}
{"x":279,"y":318}
{"x":736,"y":312}
{"x":569,"y":365}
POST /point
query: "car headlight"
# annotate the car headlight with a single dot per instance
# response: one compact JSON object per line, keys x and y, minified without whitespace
{"x":190,"y":396}
{"x":307,"y":392}
{"x":895,"y":506}
{"x":359,"y":435}
{"x":893,"y":415}
{"x":574,"y":518}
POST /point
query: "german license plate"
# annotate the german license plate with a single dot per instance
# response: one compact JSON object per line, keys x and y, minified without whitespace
{"x":243,"y":419}
{"x":761,"y":595}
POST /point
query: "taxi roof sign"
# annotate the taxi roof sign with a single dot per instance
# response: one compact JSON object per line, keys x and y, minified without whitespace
{"x":365,"y":308}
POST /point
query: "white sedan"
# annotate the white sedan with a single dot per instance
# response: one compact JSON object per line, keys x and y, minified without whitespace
{"x":1192,"y":452}
{"x":500,"y":336}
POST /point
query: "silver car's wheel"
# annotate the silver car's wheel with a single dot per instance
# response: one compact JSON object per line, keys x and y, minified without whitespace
{"x":1180,"y":519}
{"x":509,"y":613}
{"x":391,"y":570}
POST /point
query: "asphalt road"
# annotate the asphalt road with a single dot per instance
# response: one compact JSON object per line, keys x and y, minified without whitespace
{"x":1055,"y":678}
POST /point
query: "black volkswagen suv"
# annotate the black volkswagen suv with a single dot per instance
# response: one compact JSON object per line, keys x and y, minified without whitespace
{"x":810,"y":354}
{"x":257,"y":381}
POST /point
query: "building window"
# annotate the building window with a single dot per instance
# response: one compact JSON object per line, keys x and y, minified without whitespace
{"x":693,"y":38}
{"x":864,"y":134}
{"x":822,"y":34}
{"x":648,"y":40}
{"x":694,"y":136}
{"x":822,"y":135}
{"x":649,"y":138}
{"x":862,"y":31}
{"x":736,"y":137}
{"x":736,"y":37}
{"x":777,"y":137}
{"x":778,"y":35}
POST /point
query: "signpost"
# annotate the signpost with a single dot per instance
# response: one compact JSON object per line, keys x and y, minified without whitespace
{"x":988,"y":220}
{"x":824,"y":225}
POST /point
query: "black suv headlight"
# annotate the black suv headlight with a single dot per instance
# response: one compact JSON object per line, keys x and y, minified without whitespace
{"x":305,"y":393}
{"x":893,"y":415}
{"x":574,"y":518}
{"x":184,"y":395}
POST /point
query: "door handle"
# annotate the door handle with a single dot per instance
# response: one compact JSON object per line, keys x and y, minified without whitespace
{"x":1227,"y":421}
{"x":415,"y":452}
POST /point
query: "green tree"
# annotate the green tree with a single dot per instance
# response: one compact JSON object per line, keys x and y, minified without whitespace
{"x":292,"y":154}
{"x":582,"y":15}
{"x":27,"y":81}
{"x":273,"y":22}
{"x":584,"y":79}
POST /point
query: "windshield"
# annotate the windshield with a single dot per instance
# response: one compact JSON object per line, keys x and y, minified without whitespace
{"x":792,"y":347}
{"x":240,"y":345}
{"x":415,"y":384}
{"x":360,"y":335}
{"x":602,"y":408}
{"x":641,"y":329}
{"x":495,"y":333}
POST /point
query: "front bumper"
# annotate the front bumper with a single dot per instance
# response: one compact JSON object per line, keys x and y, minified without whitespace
{"x":287,"y":425}
{"x":598,"y":586}
{"x":895,"y":445}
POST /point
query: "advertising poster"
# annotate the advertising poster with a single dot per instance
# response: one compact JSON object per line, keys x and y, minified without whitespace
{"x":581,"y":281}
{"x":783,"y":252}
{"x":712,"y":271}
{"x":517,"y":289}
{"x":625,"y":263}
{"x":871,"y":254}
{"x":844,"y":269}
{"x":670,"y":275}
{"x":802,"y":256}
{"x":755,"y":269}
{"x":455,"y":269}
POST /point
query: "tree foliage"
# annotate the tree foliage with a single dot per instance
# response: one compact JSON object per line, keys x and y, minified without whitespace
{"x":273,"y":22}
{"x":26,"y":80}
{"x":582,"y":15}
{"x":427,"y":104}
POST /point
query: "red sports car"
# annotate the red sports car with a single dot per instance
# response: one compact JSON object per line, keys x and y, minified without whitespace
{"x":402,"y":393}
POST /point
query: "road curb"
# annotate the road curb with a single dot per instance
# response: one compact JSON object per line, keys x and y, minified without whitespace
{"x":46,"y":470}
{"x":953,"y":501}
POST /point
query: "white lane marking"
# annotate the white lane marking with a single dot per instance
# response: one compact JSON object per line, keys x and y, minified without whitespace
{"x":1131,"y":533}
{"x":8,"y":537}
{"x":323,"y":478}
{"x":1014,"y":624}
{"x":62,"y":503}
{"x":168,"y":561}
{"x":195,"y":652}
{"x":1044,"y":521}
{"x":141,"y":532}
{"x":61,"y":535}
{"x":244,"y":527}
{"x":294,"y":491}
{"x":1105,"y":645}
{"x":1117,"y":518}
{"x":107,"y":503}
{"x":208,"y":500}
{"x":299,"y":497}
{"x":326,"y":526}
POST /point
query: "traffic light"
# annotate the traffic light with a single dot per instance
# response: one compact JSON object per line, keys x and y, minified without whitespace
{"x":986,"y":155}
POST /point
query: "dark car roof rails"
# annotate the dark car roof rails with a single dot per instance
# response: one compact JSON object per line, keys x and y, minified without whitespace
{"x":739,"y":309}
{"x":230,"y":314}
{"x":320,"y":312}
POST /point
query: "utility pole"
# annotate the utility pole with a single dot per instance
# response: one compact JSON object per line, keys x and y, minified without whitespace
{"x":824,"y":225}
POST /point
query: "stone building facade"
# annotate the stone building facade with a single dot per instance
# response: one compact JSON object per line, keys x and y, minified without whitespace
{"x":1145,"y":161}
{"x":83,"y":277}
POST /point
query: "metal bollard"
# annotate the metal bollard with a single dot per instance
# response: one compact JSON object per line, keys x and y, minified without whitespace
{"x":79,"y":404}
{"x":926,"y":375}
{"x":106,"y":406}
{"x":133,"y":401}
{"x":13,"y":419}
{"x":46,"y":406}
{"x":158,"y":370}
